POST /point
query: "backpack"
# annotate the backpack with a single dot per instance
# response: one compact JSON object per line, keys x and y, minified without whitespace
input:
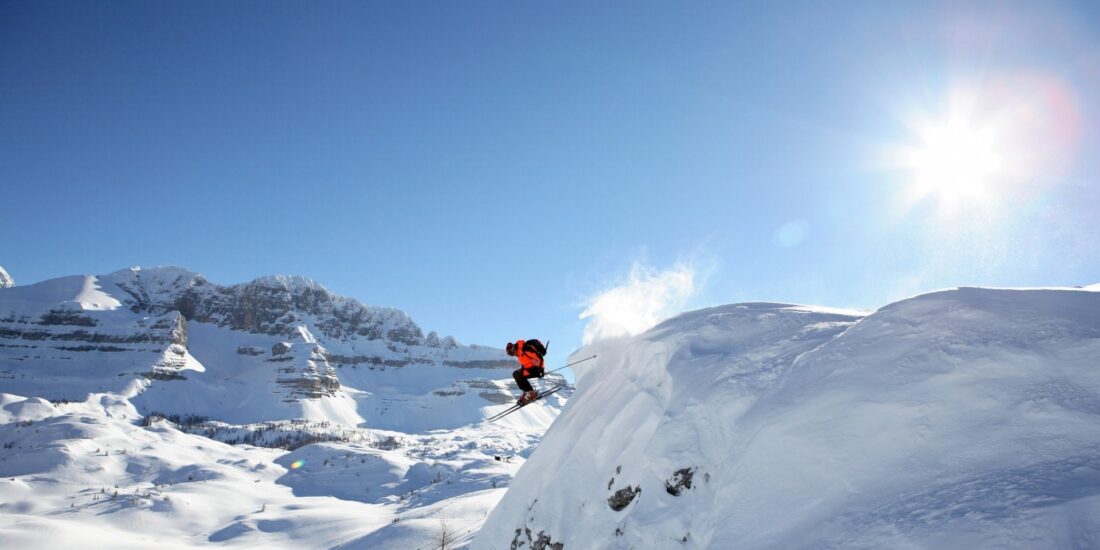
{"x":535,"y":346}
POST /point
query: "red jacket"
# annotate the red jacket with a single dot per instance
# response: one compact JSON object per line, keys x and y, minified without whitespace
{"x":527,"y":359}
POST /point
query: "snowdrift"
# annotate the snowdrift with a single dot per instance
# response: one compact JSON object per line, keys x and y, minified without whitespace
{"x":960,"y":418}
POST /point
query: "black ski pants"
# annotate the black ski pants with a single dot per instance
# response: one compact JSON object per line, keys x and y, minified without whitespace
{"x":521,"y":380}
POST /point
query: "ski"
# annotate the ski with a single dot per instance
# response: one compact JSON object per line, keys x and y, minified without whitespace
{"x":517,"y":406}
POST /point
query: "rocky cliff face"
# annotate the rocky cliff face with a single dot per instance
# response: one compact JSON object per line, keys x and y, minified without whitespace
{"x":269,"y":305}
{"x":280,"y":340}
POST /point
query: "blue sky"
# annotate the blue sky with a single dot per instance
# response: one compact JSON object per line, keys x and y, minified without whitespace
{"x":494,"y":167}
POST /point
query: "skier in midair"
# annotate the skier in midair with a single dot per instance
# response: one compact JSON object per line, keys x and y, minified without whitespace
{"x":529,"y":353}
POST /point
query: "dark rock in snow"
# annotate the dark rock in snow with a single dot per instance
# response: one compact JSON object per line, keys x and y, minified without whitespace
{"x":623,"y":497}
{"x":680,"y":480}
{"x":61,"y":317}
{"x":542,"y":541}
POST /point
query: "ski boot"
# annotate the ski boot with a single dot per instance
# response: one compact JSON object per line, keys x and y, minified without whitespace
{"x":527,"y":398}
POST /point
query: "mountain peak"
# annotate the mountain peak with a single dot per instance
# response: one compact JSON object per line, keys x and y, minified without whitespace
{"x":5,"y":280}
{"x":159,"y":276}
{"x":293,"y":283}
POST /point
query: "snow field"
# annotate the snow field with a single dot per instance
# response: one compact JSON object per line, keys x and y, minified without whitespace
{"x":75,"y":472}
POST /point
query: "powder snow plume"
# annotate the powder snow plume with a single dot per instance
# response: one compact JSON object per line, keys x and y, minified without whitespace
{"x":645,"y":299}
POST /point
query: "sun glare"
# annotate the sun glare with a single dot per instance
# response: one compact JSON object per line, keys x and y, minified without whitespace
{"x":955,"y":159}
{"x":987,"y":145}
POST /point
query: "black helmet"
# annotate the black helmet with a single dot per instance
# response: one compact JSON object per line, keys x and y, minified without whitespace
{"x":510,"y":348}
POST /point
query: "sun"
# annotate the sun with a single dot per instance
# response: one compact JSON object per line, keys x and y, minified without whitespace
{"x":954,"y":159}
{"x":983,"y":151}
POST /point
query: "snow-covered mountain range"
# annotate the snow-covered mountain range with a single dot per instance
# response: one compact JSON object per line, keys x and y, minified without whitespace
{"x":155,"y":407}
{"x":120,"y":392}
{"x":965,"y":418}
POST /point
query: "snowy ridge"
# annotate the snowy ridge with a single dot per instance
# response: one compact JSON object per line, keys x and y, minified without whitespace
{"x":955,"y":419}
{"x":291,"y":283}
{"x":5,"y":280}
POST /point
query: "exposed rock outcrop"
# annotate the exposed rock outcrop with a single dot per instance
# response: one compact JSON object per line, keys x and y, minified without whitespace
{"x":273,"y":305}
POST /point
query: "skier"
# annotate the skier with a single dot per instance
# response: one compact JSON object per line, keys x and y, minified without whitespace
{"x":529,"y":353}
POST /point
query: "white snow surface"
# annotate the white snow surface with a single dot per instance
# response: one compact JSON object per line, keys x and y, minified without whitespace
{"x":966,"y":418}
{"x":5,"y":280}
{"x":89,"y":475}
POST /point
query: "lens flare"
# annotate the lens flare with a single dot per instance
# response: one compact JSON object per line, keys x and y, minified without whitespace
{"x":297,"y":464}
{"x":791,"y":233}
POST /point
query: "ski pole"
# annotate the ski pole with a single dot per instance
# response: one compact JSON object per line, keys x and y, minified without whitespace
{"x":571,"y":364}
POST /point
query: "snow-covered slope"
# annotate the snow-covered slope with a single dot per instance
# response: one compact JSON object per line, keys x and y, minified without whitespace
{"x":5,"y":280}
{"x":966,"y":418}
